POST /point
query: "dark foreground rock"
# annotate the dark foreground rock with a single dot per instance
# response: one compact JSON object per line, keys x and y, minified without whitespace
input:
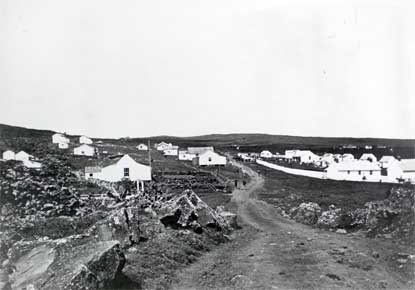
{"x":63,"y":264}
{"x":189,"y":211}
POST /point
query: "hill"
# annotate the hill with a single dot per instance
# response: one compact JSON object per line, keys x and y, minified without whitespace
{"x":8,"y":131}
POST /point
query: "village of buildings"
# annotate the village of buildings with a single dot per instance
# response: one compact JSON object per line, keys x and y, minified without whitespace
{"x":364,"y":168}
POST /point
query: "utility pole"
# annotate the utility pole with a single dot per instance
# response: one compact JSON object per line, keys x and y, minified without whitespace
{"x":149,"y":153}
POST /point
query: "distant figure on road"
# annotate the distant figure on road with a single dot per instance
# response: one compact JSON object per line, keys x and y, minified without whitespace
{"x":236,"y":183}
{"x":244,"y":182}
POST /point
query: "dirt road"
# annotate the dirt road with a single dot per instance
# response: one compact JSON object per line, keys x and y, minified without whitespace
{"x":272,"y":252}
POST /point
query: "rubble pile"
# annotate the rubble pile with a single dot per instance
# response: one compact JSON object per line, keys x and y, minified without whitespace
{"x":189,"y":211}
{"x":52,"y":191}
{"x":330,"y":218}
{"x":393,"y":215}
{"x":307,"y":213}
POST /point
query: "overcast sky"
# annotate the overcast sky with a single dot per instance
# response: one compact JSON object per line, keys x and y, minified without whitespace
{"x":140,"y":68}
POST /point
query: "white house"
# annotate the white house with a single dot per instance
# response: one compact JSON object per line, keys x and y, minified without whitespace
{"x":357,"y":170}
{"x":85,"y":140}
{"x":289,"y":154}
{"x":209,"y":158}
{"x":84,"y":150}
{"x":347,"y":157}
{"x":163,"y":146}
{"x":185,"y":155}
{"x":22,"y":156}
{"x":142,"y":147}
{"x":325,"y":160}
{"x":9,"y":155}
{"x":390,"y":168}
{"x":369,"y":157}
{"x":59,"y":138}
{"x":62,"y":145}
{"x":265,"y":154}
{"x":171,"y":151}
{"x":199,"y":150}
{"x":124,"y":168}
{"x":408,"y":169}
{"x":305,"y":156}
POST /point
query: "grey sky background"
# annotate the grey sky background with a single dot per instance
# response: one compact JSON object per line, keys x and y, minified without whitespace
{"x":141,"y":68}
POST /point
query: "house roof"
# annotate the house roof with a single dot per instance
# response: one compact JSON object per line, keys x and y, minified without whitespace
{"x":367,"y":156}
{"x":172,"y":148}
{"x":100,"y":163}
{"x":85,"y":146}
{"x":211,"y":153}
{"x":408,"y":165}
{"x":357,"y":165}
{"x":386,"y":159}
{"x":199,"y":150}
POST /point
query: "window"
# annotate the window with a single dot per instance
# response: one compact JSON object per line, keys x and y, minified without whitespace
{"x":348,"y":171}
{"x":360,"y":172}
{"x":91,"y":175}
{"x":126,"y":172}
{"x":210,"y":159}
{"x":371,"y":172}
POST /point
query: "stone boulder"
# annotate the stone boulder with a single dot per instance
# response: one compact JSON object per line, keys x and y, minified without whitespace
{"x":307,"y":213}
{"x":67,"y":263}
{"x":187,"y":210}
{"x":129,"y":225}
{"x":229,"y":217}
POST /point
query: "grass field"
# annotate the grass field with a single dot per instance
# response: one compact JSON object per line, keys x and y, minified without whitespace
{"x":287,"y":190}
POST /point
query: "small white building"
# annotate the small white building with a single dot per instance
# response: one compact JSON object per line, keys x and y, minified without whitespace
{"x":347,"y":157}
{"x":163,"y":146}
{"x":142,"y":147}
{"x":59,"y":138}
{"x":85,"y":140}
{"x":357,"y":170}
{"x":390,"y":168}
{"x":171,"y":151}
{"x":289,"y":154}
{"x":266,"y":154}
{"x":22,"y":156}
{"x":186,"y":156}
{"x":199,"y":150}
{"x":84,"y":150}
{"x":63,"y":145}
{"x":369,"y":157}
{"x":124,"y":168}
{"x":9,"y":155}
{"x":305,"y":156}
{"x":408,"y":169}
{"x":209,"y":158}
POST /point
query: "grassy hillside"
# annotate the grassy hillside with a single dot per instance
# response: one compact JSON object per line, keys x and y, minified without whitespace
{"x":248,"y":142}
{"x":7,"y":131}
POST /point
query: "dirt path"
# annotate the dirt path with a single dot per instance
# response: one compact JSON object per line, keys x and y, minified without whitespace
{"x":272,"y":252}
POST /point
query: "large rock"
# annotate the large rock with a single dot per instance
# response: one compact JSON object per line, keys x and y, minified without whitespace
{"x":64,"y":264}
{"x":307,"y":213}
{"x":189,"y":211}
{"x":129,"y":225}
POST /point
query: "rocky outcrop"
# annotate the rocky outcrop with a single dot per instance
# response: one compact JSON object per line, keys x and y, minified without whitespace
{"x":189,"y":211}
{"x":68,"y":263}
{"x":307,"y":213}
